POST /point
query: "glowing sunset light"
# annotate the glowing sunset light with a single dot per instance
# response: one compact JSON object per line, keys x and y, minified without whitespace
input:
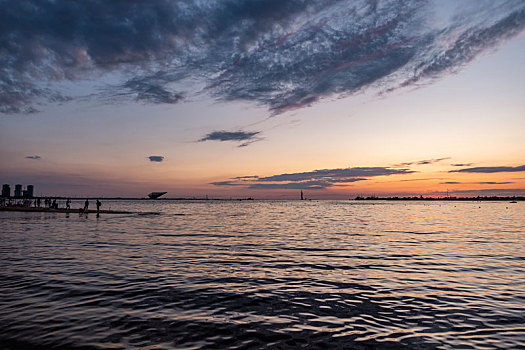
{"x":189,"y":99}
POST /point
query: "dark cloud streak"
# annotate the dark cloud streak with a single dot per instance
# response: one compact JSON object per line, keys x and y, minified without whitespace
{"x":462,"y":164}
{"x":246,"y":137}
{"x":226,"y":183}
{"x":422,"y":162}
{"x":306,"y":185}
{"x":491,"y":169}
{"x":337,"y":175}
{"x":477,"y":183}
{"x":313,"y":180}
{"x":156,"y":159}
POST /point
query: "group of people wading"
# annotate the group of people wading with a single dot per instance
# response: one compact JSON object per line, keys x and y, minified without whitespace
{"x":46,"y":203}
{"x":86,"y":206}
{"x":52,"y":204}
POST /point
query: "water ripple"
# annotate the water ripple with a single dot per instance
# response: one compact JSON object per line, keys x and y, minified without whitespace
{"x":269,"y":274}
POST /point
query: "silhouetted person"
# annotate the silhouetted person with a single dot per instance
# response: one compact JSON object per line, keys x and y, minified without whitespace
{"x":98,"y":206}
{"x":38,"y":202}
{"x":68,"y":204}
{"x":54,"y":205}
{"x":86,"y":206}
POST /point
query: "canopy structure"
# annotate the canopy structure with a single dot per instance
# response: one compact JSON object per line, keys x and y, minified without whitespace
{"x":155,"y":195}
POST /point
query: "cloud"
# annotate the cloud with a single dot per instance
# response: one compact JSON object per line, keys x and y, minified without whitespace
{"x":236,"y":136}
{"x":478,"y":183}
{"x":156,"y":159}
{"x":249,"y":177}
{"x":337,"y":175}
{"x":33,"y":157}
{"x":431,"y":161}
{"x":226,"y":183}
{"x":306,"y":185}
{"x":282,"y":54}
{"x":495,"y":182}
{"x":491,"y":169}
{"x":462,"y":164}
{"x":314,"y":180}
{"x":421,"y":162}
{"x":150,"y":90}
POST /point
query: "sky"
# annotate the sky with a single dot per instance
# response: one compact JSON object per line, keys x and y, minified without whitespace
{"x":263,"y":99}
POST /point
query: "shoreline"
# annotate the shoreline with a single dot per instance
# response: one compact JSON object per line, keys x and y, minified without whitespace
{"x":358,"y":198}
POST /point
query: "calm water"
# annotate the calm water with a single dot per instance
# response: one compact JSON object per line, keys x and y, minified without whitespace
{"x":266,"y":274}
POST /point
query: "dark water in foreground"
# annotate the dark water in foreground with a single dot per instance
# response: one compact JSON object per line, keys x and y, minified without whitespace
{"x":289,"y":274}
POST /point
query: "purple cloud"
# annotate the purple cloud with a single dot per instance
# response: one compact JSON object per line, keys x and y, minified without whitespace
{"x":317,"y":179}
{"x":246,"y":137}
{"x":491,"y":169}
{"x":282,"y":54}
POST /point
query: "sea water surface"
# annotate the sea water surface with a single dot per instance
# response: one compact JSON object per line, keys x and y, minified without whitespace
{"x":266,"y":274}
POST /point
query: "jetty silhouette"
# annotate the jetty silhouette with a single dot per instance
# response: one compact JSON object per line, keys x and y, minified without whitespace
{"x":64,"y":210}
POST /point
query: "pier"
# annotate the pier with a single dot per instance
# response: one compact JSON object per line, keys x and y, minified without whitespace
{"x":68,"y":211}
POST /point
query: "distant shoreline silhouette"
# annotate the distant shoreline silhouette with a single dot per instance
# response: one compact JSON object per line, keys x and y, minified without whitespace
{"x":421,"y":198}
{"x":12,"y":202}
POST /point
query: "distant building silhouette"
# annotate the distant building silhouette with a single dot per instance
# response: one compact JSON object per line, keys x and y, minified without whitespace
{"x":29,"y":191}
{"x":6,"y":190}
{"x":18,"y":190}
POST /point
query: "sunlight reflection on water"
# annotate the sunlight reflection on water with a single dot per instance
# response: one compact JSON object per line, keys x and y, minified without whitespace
{"x":251,"y":274}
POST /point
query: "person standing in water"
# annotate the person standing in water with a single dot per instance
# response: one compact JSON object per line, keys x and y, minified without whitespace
{"x":98,"y":206}
{"x":86,"y":206}
{"x":68,"y":204}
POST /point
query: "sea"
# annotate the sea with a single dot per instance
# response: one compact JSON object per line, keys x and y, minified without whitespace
{"x":265,"y":275}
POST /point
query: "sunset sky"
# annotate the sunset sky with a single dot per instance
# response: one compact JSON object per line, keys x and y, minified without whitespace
{"x":263,"y":98}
